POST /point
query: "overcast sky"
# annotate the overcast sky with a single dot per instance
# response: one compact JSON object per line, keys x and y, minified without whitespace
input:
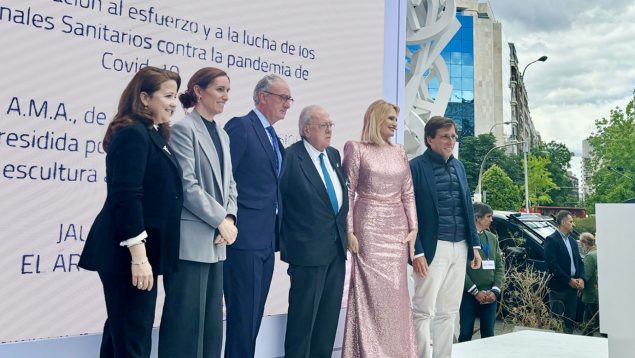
{"x":591,"y":65}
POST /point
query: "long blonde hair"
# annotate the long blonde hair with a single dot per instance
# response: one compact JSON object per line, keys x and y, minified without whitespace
{"x":375,"y":115}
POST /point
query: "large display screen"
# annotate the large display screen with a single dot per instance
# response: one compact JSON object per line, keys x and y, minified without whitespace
{"x":64,"y":65}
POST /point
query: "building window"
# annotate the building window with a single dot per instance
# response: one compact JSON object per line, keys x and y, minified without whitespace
{"x":459,"y":57}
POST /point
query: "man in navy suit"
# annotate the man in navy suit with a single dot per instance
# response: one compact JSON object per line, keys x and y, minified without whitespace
{"x":314,"y":242}
{"x":567,"y":270}
{"x":257,"y":157}
{"x":447,"y":238}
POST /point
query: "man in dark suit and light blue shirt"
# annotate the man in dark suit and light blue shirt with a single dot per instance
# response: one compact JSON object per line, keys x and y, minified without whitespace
{"x":567,"y":270}
{"x":314,"y":242}
{"x":447,"y":238}
{"x":257,"y":160}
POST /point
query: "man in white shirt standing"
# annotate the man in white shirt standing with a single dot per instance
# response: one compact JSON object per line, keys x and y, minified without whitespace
{"x":567,"y":270}
{"x":314,"y":241}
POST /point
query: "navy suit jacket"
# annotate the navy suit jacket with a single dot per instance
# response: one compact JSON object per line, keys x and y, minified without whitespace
{"x":144,"y":193}
{"x":312,"y":233}
{"x":559,"y":262}
{"x":257,"y":183}
{"x":426,"y":198}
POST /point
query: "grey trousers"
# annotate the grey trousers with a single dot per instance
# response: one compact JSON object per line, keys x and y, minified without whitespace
{"x":192,"y":321}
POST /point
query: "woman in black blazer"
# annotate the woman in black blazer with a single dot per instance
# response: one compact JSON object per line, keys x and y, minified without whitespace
{"x":135,"y":236}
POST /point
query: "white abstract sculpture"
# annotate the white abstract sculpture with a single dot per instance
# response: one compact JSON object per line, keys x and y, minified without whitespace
{"x":431,"y":24}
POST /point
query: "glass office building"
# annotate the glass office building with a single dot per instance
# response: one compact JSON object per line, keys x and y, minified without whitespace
{"x":477,"y":61}
{"x":459,"y":58}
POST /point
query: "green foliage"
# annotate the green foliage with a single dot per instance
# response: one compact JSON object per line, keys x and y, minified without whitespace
{"x":585,"y":225}
{"x":513,"y":165}
{"x":613,"y":162}
{"x":559,"y":156}
{"x":540,"y":182}
{"x":548,"y":183}
{"x":472,"y":150}
{"x":502,"y":193}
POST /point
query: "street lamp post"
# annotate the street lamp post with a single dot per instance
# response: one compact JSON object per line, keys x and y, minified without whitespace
{"x":541,"y":59}
{"x":522,"y":82}
{"x":498,"y":124}
{"x":480,"y":172}
{"x":525,"y":164}
{"x":526,"y":143}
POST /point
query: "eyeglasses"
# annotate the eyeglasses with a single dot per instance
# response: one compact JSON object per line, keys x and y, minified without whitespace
{"x":323,"y":126}
{"x":283,"y":97}
{"x":449,"y":137}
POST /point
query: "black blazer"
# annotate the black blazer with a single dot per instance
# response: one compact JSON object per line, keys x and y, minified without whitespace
{"x":257,"y":183}
{"x":426,"y":198}
{"x":312,"y":234}
{"x":143,"y":180}
{"x":559,"y":263}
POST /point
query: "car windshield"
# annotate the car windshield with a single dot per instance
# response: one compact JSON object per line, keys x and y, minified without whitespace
{"x":543,"y":228}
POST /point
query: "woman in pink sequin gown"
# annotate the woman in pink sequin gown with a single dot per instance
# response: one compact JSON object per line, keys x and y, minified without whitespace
{"x":382,"y":227}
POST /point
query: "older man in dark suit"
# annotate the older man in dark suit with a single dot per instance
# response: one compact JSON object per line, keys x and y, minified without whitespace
{"x":567,"y":270}
{"x":314,"y":242}
{"x":257,"y":160}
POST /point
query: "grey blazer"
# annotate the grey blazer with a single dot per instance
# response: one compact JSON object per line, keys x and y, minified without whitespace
{"x":202,"y":185}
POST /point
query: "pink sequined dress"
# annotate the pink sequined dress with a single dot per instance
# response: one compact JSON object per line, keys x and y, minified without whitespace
{"x":379,"y":319}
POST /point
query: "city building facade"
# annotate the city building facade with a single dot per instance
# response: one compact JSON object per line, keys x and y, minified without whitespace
{"x":522,"y":129}
{"x":478,"y":63}
{"x":587,"y":155}
{"x":488,"y":94}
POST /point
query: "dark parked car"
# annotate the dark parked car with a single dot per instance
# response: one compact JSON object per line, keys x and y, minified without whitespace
{"x":522,"y":238}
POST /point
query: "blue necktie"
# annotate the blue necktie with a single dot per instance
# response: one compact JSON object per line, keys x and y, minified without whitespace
{"x":330,"y":189}
{"x":274,"y":143}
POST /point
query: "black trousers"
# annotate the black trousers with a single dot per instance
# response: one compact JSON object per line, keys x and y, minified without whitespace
{"x":315,"y":300}
{"x":564,"y":304}
{"x":470,"y":309}
{"x":128,"y":328}
{"x":192,"y":321}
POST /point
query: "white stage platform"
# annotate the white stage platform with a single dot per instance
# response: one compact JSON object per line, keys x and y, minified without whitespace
{"x":270,"y":343}
{"x":532,"y":344}
{"x":523,"y":344}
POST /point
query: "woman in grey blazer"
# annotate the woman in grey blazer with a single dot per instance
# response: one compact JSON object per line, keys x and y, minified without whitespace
{"x":192,"y":322}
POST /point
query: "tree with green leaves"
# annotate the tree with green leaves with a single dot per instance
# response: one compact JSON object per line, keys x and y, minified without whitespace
{"x":559,"y":162}
{"x":472,"y":150}
{"x":540,"y":182}
{"x":513,"y":165}
{"x":500,"y":191}
{"x":612,"y":162}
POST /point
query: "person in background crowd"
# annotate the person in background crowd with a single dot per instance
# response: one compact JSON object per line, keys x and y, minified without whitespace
{"x":565,"y":265}
{"x":382,"y":227}
{"x":192,"y":321}
{"x":257,"y":157}
{"x":314,"y":242}
{"x":447,"y":238}
{"x":590,"y":291}
{"x":135,"y":236}
{"x":482,"y":285}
